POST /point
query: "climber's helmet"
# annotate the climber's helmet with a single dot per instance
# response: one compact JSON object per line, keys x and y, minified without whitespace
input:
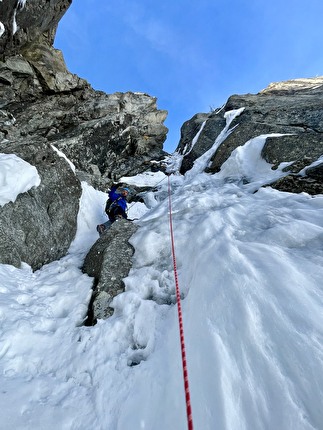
{"x":125,"y":191}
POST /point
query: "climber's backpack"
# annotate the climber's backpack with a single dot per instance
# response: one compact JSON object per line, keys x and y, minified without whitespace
{"x":111,"y":206}
{"x":108,"y":206}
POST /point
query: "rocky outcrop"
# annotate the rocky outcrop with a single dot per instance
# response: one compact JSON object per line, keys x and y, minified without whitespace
{"x":25,"y":21}
{"x":197,"y":136}
{"x":293,"y":109}
{"x":43,"y":105}
{"x":40,"y":225}
{"x":105,"y":135}
{"x":109,"y":261}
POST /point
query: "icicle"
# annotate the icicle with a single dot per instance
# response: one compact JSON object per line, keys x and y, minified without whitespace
{"x":14,"y":23}
{"x":2,"y":29}
{"x":20,"y":4}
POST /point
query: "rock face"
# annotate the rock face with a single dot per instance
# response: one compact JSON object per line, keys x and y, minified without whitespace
{"x":40,"y":225}
{"x":105,"y":136}
{"x":109,"y":261}
{"x":25,"y":21}
{"x":197,"y":136}
{"x":44,"y":106}
{"x":293,"y":108}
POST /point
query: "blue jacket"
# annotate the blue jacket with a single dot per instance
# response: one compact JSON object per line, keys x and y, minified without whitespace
{"x":121,"y":203}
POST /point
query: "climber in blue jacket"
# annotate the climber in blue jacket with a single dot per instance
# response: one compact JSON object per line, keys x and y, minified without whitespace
{"x":115,"y":208}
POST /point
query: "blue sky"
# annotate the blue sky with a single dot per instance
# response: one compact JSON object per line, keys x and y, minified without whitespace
{"x":191,"y":55}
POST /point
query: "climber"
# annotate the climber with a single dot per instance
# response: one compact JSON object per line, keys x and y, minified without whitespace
{"x":115,"y":208}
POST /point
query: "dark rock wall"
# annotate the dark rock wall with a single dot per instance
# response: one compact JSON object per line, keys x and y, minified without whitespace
{"x":214,"y":124}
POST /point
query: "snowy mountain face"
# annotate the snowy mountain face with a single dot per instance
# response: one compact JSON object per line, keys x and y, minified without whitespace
{"x":290,"y":115}
{"x":245,"y":187}
{"x":250,"y":266}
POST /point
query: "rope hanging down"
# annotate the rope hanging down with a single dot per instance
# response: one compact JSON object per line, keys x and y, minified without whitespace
{"x":180,"y":318}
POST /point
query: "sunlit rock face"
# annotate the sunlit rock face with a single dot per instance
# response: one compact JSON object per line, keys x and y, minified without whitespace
{"x":44,"y":108}
{"x":293,"y":109}
{"x":24,"y":22}
{"x":105,"y":135}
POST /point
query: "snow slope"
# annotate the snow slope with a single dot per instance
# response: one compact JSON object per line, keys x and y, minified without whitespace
{"x":250,"y":271}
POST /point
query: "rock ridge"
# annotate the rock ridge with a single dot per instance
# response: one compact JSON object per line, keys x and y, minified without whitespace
{"x":292,"y":108}
{"x":108,"y":262}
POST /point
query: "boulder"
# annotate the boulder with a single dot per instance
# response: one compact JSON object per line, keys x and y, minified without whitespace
{"x":109,"y":261}
{"x":40,"y":225}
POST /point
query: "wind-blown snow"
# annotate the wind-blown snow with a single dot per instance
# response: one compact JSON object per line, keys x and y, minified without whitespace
{"x":250,"y":269}
{"x":16,"y":176}
{"x":315,"y":163}
{"x":145,"y":179}
{"x":246,"y":164}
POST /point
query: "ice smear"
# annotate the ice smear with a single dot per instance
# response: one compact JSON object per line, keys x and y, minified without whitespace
{"x":201,"y":163}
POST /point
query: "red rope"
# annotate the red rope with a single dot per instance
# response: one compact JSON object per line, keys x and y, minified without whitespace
{"x":180,"y":318}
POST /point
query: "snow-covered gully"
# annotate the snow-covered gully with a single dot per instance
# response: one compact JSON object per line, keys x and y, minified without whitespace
{"x":250,"y":266}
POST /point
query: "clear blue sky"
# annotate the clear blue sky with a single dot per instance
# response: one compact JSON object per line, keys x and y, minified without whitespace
{"x":191,"y":55}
